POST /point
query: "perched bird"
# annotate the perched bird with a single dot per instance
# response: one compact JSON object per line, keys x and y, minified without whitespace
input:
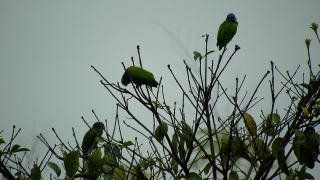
{"x":311,"y":134}
{"x":89,"y":139}
{"x":138,"y":76}
{"x":309,"y":147}
{"x":226,"y":31}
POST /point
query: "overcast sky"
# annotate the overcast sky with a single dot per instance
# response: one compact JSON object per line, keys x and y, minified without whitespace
{"x":47,"y":48}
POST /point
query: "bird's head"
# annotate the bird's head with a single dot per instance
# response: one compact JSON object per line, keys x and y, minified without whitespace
{"x":125,"y":80}
{"x":232,"y":18}
{"x":99,"y":126}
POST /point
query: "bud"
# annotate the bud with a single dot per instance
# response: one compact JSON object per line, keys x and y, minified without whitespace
{"x":314,"y":27}
{"x":307,"y":41}
{"x":237,"y":47}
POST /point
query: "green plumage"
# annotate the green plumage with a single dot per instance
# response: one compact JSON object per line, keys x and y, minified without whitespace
{"x":89,"y":139}
{"x":227,"y":30}
{"x":138,"y":76}
{"x":306,"y":154}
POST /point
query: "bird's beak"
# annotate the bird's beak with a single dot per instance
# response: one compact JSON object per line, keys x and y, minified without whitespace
{"x":235,"y":20}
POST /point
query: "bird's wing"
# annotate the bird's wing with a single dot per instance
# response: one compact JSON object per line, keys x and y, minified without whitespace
{"x":226,"y":31}
{"x":89,"y":140}
{"x":141,"y":76}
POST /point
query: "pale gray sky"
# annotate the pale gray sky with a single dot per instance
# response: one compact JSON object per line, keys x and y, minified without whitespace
{"x":47,"y":48}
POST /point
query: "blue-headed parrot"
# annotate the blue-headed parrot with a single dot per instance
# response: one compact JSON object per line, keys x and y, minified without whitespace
{"x":89,"y":139}
{"x":138,"y":76}
{"x":309,"y":148}
{"x":226,"y":31}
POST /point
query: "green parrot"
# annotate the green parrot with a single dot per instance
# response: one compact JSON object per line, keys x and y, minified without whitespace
{"x":138,"y":76}
{"x":226,"y":31}
{"x":89,"y":139}
{"x":306,"y":153}
{"x":310,"y":155}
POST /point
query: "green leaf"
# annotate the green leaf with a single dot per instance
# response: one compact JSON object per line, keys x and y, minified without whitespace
{"x":262,"y":149}
{"x":274,"y":117}
{"x":71,"y":163}
{"x":304,"y":85}
{"x":95,"y":164}
{"x":298,"y":133}
{"x":179,"y":177}
{"x":144,"y":164}
{"x":22,"y":149}
{"x":186,"y":134}
{"x":127,"y":143}
{"x":55,"y":168}
{"x":233,"y":175}
{"x":2,"y":141}
{"x":174,"y":166}
{"x":292,"y":175}
{"x":282,"y":162}
{"x":14,"y":148}
{"x":110,"y":159}
{"x":96,"y":155}
{"x":302,"y":173}
{"x":175,"y":140}
{"x":192,"y":176}
{"x":35,"y":172}
{"x":109,"y":177}
{"x":196,"y":55}
{"x":237,"y":146}
{"x":63,"y":152}
{"x":107,"y":169}
{"x":119,"y":173}
{"x":161,"y":131}
{"x":277,"y":146}
{"x":225,"y":143}
{"x":181,"y":149}
{"x":308,"y":176}
{"x":207,"y":168}
{"x":113,"y":149}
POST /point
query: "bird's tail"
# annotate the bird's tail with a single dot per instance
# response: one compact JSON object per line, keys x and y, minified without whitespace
{"x":154,"y":84}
